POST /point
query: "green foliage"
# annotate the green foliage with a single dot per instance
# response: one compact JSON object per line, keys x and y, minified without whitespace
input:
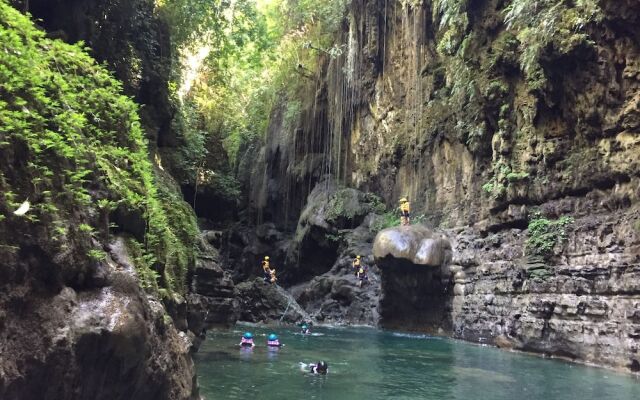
{"x":143,"y":262}
{"x":494,"y":189}
{"x":75,"y":144}
{"x":543,"y":23}
{"x":259,"y":53}
{"x":502,"y":176}
{"x":335,"y":238}
{"x":545,"y":234}
{"x":517,"y":176}
{"x":292,"y":113}
{"x":384,"y":221}
{"x":344,"y":203}
{"x":348,"y":203}
{"x":97,"y":255}
{"x":453,"y":21}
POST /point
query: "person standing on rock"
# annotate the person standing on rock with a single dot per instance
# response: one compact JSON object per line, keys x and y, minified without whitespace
{"x":356,"y":265}
{"x":266,"y":269}
{"x":405,"y":212}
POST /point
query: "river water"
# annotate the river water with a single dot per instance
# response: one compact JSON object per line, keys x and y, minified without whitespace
{"x":372,"y":364}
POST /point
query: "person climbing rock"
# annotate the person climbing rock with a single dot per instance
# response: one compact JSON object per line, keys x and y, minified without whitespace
{"x":272,"y":276}
{"x":266,"y":269}
{"x":320,"y":368}
{"x":247,"y":340}
{"x":356,"y":265}
{"x":362,"y":275}
{"x":273,"y":341}
{"x":305,"y":330}
{"x":405,"y":212}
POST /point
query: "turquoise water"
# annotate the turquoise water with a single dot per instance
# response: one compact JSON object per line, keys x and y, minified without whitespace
{"x":371,"y":364}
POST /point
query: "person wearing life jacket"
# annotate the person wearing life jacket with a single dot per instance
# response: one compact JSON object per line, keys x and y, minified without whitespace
{"x":319,"y":368}
{"x":362,"y":275}
{"x":405,"y":212}
{"x":356,"y":265}
{"x":305,"y":330}
{"x":272,"y":340}
{"x":266,"y":269}
{"x":272,"y":276}
{"x":247,"y":340}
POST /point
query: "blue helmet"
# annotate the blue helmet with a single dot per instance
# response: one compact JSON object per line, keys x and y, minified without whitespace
{"x":305,"y":327}
{"x":273,"y":336}
{"x":248,"y":335}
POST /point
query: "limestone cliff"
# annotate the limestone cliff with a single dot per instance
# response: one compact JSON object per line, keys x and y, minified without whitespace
{"x":513,"y":126}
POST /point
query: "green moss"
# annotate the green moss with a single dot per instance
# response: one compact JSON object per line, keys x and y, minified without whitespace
{"x":384,"y":221}
{"x":517,"y":176}
{"x":545,"y":234}
{"x":549,"y":24}
{"x":74,"y":145}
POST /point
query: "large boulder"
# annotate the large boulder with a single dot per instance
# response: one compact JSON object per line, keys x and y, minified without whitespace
{"x":329,"y":213}
{"x":414,"y":244}
{"x":335,"y":297}
{"x":108,"y":340}
{"x":415,"y":292}
{"x":266,"y":303}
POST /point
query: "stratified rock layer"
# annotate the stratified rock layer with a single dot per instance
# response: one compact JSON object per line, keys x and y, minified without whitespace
{"x":212,"y":299}
{"x":585,"y":306}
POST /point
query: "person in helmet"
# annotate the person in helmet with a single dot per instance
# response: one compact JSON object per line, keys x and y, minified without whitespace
{"x":247,"y":340}
{"x":362,"y":275}
{"x":319,"y":368}
{"x":305,"y":329}
{"x":266,"y":269}
{"x":272,"y":340}
{"x":405,"y":212}
{"x":356,"y":265}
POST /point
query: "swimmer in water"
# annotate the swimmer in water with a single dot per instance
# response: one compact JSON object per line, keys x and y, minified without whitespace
{"x":247,"y":340}
{"x":305,"y":330}
{"x":272,"y":340}
{"x":319,"y":368}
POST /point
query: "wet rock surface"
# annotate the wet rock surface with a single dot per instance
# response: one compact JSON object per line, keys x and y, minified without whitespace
{"x":212,"y":300}
{"x":101,"y":341}
{"x":266,"y":303}
{"x":414,"y":244}
{"x":415,"y":292}
{"x":336,"y":296}
{"x":581,"y":306}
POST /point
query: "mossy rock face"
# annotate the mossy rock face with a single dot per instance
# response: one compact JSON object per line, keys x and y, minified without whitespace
{"x":73,"y":147}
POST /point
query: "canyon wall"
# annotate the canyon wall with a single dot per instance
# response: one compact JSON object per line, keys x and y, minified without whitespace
{"x":513,"y":128}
